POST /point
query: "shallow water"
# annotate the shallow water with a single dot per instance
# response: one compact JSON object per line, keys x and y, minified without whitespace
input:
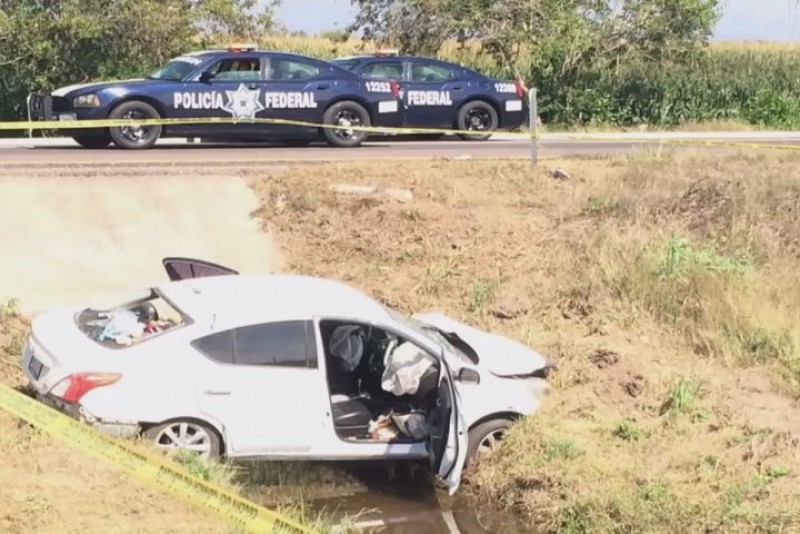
{"x":379,"y":497}
{"x":410,"y":511}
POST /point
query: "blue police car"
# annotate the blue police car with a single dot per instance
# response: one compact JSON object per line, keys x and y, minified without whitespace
{"x":442,"y":95}
{"x":240,"y":83}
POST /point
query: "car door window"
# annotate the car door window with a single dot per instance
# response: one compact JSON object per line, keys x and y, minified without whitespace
{"x":289,"y":70}
{"x":383,"y":70}
{"x":429,"y":72}
{"x":236,"y":70}
{"x":218,"y":347}
{"x":281,"y":344}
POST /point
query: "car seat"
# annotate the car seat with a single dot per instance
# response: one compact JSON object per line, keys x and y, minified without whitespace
{"x":351,"y":412}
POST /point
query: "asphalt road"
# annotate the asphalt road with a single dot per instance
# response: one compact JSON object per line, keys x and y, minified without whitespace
{"x":23,"y":152}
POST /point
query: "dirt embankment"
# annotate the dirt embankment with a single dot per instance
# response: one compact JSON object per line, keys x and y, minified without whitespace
{"x":663,"y":285}
{"x":71,"y":239}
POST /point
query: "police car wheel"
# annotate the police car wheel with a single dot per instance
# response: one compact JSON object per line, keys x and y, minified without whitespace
{"x":345,"y":114}
{"x":135,"y":137}
{"x":93,"y":140}
{"x":478,"y":116}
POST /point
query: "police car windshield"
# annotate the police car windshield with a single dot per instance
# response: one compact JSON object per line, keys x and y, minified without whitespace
{"x":345,"y":63}
{"x":176,"y":70}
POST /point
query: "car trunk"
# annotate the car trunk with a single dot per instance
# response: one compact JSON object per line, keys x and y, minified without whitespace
{"x":56,"y":348}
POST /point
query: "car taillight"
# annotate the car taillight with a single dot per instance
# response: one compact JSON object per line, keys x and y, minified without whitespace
{"x":521,"y":89}
{"x":76,"y":385}
{"x":395,"y":87}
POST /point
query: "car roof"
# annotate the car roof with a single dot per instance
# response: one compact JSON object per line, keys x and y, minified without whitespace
{"x":250,"y":298}
{"x":257,"y":51}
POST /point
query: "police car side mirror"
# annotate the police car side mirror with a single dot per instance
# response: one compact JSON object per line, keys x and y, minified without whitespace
{"x":206,"y":76}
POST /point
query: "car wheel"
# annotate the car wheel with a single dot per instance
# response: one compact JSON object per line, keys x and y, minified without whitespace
{"x":477,"y":116}
{"x":93,"y":140}
{"x":345,"y":114}
{"x":186,"y":435}
{"x":484,"y":439}
{"x":135,"y":137}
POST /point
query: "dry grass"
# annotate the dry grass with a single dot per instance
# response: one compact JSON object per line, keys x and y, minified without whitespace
{"x":663,"y":285}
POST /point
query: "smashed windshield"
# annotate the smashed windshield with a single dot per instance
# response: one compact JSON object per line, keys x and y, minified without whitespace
{"x":177,"y":69}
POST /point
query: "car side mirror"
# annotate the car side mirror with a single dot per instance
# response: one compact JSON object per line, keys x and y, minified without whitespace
{"x":468,"y":376}
{"x":206,"y":76}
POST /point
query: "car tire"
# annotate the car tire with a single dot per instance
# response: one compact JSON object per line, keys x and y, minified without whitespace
{"x":486,"y":434}
{"x":477,"y":115}
{"x":186,"y":432}
{"x":133,"y":138}
{"x":346,"y":110}
{"x":93,"y":140}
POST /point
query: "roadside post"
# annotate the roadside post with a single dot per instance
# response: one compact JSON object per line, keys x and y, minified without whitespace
{"x":28,"y":109}
{"x":534,"y":124}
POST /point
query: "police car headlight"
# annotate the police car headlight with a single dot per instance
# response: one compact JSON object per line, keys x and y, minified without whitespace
{"x":86,"y":101}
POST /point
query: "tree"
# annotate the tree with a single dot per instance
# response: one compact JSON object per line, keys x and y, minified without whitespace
{"x":234,"y":19}
{"x":49,"y":43}
{"x":567,"y":32}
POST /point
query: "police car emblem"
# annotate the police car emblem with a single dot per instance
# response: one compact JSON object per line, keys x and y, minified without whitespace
{"x":243,"y":103}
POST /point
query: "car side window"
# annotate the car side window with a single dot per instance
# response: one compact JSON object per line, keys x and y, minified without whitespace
{"x":236,"y":70}
{"x":218,"y":347}
{"x":383,"y":70}
{"x":288,"y":70}
{"x":283,"y":344}
{"x":429,"y":72}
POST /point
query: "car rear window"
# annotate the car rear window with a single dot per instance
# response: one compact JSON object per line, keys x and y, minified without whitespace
{"x":131,"y":322}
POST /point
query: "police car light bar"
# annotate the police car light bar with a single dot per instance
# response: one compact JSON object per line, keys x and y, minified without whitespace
{"x":388,"y":52}
{"x":242,"y":47}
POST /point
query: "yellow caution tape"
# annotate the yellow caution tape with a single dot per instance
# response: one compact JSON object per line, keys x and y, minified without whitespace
{"x":118,"y":123}
{"x":239,"y":512}
{"x":682,"y":141}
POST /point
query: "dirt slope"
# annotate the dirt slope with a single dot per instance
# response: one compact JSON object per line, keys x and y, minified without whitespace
{"x":77,"y":238}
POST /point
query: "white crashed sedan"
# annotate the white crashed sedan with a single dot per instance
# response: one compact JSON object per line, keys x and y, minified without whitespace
{"x":283,"y":367}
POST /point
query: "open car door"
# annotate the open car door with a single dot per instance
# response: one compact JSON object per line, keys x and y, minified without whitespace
{"x":447,"y":448}
{"x":186,"y":268}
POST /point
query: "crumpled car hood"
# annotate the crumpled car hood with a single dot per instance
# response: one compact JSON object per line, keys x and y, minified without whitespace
{"x":500,"y":355}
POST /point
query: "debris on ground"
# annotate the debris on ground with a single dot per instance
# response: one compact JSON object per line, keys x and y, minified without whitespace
{"x":559,"y":174}
{"x":400,"y":194}
{"x":603,"y":358}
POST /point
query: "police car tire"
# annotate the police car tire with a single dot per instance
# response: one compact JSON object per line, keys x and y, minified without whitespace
{"x":462,"y":116}
{"x":329,"y":118}
{"x":93,"y":140}
{"x":144,"y":108}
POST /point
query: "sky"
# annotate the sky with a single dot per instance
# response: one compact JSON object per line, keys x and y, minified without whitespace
{"x":769,"y":20}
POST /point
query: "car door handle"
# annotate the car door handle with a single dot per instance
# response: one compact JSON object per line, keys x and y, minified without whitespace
{"x":252,"y":86}
{"x":457,"y":88}
{"x":323,"y":86}
{"x":216,"y":393}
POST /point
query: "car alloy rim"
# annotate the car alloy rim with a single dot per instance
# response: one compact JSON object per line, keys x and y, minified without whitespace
{"x":478,"y":119}
{"x":185,"y":436}
{"x":135,"y":133}
{"x":347,"y":117}
{"x":490,"y":442}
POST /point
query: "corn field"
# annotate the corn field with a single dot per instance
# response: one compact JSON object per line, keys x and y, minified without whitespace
{"x":753,"y":83}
